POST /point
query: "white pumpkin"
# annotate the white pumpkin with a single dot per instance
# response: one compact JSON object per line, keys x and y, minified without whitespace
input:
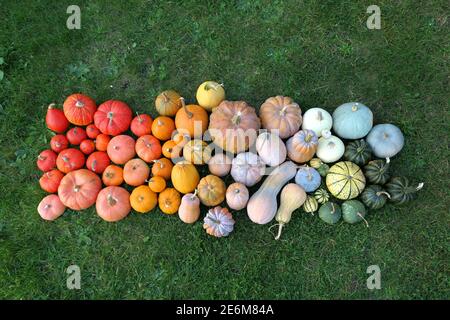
{"x":237,"y":196}
{"x":247,"y":168}
{"x":330,"y":148}
{"x":271,"y":149}
{"x":317,"y":120}
{"x":219,"y":164}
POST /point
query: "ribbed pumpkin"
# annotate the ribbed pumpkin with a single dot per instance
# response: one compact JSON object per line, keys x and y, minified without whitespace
{"x":302,"y":146}
{"x":308,"y":178}
{"x":113,"y":117}
{"x":281,"y":114}
{"x":218,"y":222}
{"x":169,"y":201}
{"x":310,"y":205}
{"x":167,"y":103}
{"x":113,"y":203}
{"x":79,"y":109}
{"x":185,"y":177}
{"x":358,"y":152}
{"x":345,"y":180}
{"x":374,"y":197}
{"x":191,"y":119}
{"x":233,"y":126}
{"x":211,"y":190}
{"x":78,"y":189}
{"x":321,"y":195}
{"x":197,"y":152}
{"x":377,"y":171}
{"x":401,"y":190}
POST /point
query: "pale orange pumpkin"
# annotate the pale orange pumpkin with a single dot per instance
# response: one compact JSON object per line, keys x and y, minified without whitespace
{"x":197,"y":152}
{"x":162,"y":168}
{"x":167,"y":103}
{"x":302,"y":146}
{"x":211,"y":190}
{"x":191,"y":119}
{"x":78,"y":189}
{"x":143,"y":199}
{"x":121,"y":149}
{"x":148,"y":148}
{"x":169,"y":201}
{"x":113,"y":203}
{"x":234,"y":126}
{"x":135,"y":172}
{"x":185,"y":177}
{"x":162,"y":128}
{"x":282,"y":115}
{"x":171,"y":150}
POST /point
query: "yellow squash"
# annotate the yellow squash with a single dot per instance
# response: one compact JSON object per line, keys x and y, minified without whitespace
{"x":345,"y":180}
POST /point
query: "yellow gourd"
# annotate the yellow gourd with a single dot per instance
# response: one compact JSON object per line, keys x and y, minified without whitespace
{"x":185,"y":177}
{"x":210,"y":94}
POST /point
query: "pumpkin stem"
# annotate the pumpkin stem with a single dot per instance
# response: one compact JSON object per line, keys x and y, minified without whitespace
{"x":312,"y":213}
{"x":51,"y":106}
{"x":333,"y":209}
{"x":94,"y":165}
{"x":166,"y":98}
{"x":326,"y":134}
{"x":280,"y":228}
{"x":236,"y":118}
{"x":419,"y":186}
{"x":379,"y":193}
{"x":214,"y":86}
{"x":194,"y":195}
{"x":388,"y":160}
{"x":319,"y":116}
{"x":76,"y":188}
{"x":355,"y":107}
{"x":139,"y":116}
{"x":110,"y":116}
{"x":283,"y":110}
{"x":361,"y":216}
{"x":42,"y":158}
{"x":183,"y":105}
{"x":111,"y":200}
{"x":308,"y":137}
{"x":79,"y":104}
{"x":47,"y":206}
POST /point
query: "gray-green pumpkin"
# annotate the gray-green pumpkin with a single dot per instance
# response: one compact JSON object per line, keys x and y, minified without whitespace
{"x":377,"y":171}
{"x":330,"y":213}
{"x":310,"y":205}
{"x":374,"y":197}
{"x":358,"y":152}
{"x":354,"y":211}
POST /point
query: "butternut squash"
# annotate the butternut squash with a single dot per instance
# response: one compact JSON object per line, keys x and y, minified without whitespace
{"x":292,"y":197}
{"x":262,"y":206}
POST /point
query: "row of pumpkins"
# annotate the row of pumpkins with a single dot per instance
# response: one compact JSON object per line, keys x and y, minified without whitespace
{"x":92,"y":148}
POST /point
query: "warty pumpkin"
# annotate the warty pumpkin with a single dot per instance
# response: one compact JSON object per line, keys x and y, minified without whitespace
{"x":50,"y":208}
{"x":185,"y":177}
{"x":113,"y":204}
{"x":345,"y":180}
{"x":148,"y":148}
{"x":191,"y":119}
{"x":281,"y":115}
{"x":167,"y":103}
{"x":113,"y":117}
{"x":78,"y":189}
{"x":234,"y":126}
{"x":302,"y":146}
{"x":211,"y":190}
{"x":143,"y":199}
{"x":79,"y":109}
{"x":135,"y":172}
{"x":169,"y":201}
{"x":121,"y":149}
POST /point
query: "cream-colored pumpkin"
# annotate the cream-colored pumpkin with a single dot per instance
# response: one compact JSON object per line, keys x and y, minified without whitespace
{"x":317,"y":120}
{"x":237,"y":196}
{"x":271,"y":149}
{"x":330,"y":148}
{"x":197,"y":152}
{"x":247,"y":168}
{"x":282,"y":115}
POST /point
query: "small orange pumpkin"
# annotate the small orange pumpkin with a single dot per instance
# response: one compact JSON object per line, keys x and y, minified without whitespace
{"x":112,"y":176}
{"x":191,"y":119}
{"x":169,"y":201}
{"x":162,"y":128}
{"x":181,"y":138}
{"x":162,"y":168}
{"x":135,"y":172}
{"x":101,"y":142}
{"x":211,"y":190}
{"x":167,"y":103}
{"x":302,"y":146}
{"x":171,"y":150}
{"x":143,"y":199}
{"x":157,"y":184}
{"x":185,"y":177}
{"x":197,"y":151}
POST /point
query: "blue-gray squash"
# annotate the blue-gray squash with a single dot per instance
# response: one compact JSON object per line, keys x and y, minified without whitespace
{"x":308,"y":178}
{"x":386,"y":140}
{"x":352,"y":120}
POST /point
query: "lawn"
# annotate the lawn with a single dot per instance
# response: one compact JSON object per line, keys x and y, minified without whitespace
{"x":318,"y":52}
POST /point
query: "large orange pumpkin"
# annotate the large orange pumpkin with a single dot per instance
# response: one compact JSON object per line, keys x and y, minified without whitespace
{"x":185,"y":177}
{"x":78,"y":189}
{"x":113,"y":204}
{"x":163,"y":127}
{"x":69,"y":160}
{"x":79,"y":109}
{"x":121,"y":149}
{"x":162,"y":168}
{"x":143,"y":199}
{"x":135,"y":172}
{"x":148,"y":148}
{"x":113,"y":117}
{"x":191,"y":119}
{"x":234,"y":126}
{"x":113,"y":175}
{"x":169,"y":201}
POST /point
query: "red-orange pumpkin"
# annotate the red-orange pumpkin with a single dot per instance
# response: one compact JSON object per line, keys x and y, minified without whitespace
{"x":113,"y":203}
{"x":98,"y":161}
{"x":87,"y":146}
{"x":79,"y":109}
{"x":135,"y":172}
{"x":76,"y":135}
{"x":69,"y":160}
{"x":141,"y":125}
{"x":121,"y":149}
{"x":148,"y":148}
{"x":92,"y":131}
{"x":58,"y":143}
{"x":56,"y":120}
{"x":78,"y":189}
{"x":50,"y":180}
{"x":102,"y":141}
{"x":46,"y":160}
{"x":113,"y":117}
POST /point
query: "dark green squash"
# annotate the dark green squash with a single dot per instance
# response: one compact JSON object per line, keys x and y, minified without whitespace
{"x":401,"y":190}
{"x":354,"y":211}
{"x":358,"y":152}
{"x":374,"y":197}
{"x":377,"y":171}
{"x":330,"y":213}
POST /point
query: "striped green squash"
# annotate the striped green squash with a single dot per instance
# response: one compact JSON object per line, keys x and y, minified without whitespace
{"x":377,"y":171}
{"x":345,"y":180}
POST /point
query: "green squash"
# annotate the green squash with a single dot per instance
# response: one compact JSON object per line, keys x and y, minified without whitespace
{"x":354,"y":211}
{"x":377,"y":171}
{"x":358,"y":152}
{"x":401,"y":190}
{"x":330,"y":213}
{"x":374,"y":197}
{"x":310,"y":205}
{"x":321,"y":195}
{"x":320,"y":166}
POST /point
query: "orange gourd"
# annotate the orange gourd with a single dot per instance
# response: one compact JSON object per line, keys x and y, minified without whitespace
{"x":211,"y":190}
{"x":185,"y":177}
{"x":189,"y":210}
{"x":169,"y":201}
{"x":181,"y":139}
{"x":162,"y":128}
{"x":191,"y":119}
{"x":113,"y":204}
{"x":135,"y":172}
{"x":148,"y":148}
{"x":162,"y":168}
{"x":101,"y":142}
{"x":157,"y":184}
{"x":143,"y":199}
{"x":167,"y":103}
{"x":112,"y":176}
{"x":171,"y":150}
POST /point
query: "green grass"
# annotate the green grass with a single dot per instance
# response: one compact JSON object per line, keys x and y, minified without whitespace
{"x":319,"y":53}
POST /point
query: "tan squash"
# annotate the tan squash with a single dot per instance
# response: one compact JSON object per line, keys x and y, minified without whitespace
{"x":281,"y":115}
{"x":211,"y":190}
{"x":189,"y":210}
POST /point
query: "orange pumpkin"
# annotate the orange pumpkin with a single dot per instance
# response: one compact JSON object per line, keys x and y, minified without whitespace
{"x":113,"y":175}
{"x":185,"y":177}
{"x":167,"y":103}
{"x":78,"y":189}
{"x":302,"y":146}
{"x":148,"y":148}
{"x":121,"y":149}
{"x":211,"y":190}
{"x":181,"y":139}
{"x":162,"y":168}
{"x":143,"y":199}
{"x":282,"y":114}
{"x":135,"y":172}
{"x":169,"y":201}
{"x":101,"y":142}
{"x":162,"y":128}
{"x":79,"y":109}
{"x":157,"y":184}
{"x":171,"y":150}
{"x":113,"y":203}
{"x":191,"y":119}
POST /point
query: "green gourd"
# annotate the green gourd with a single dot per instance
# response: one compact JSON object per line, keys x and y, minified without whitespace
{"x":330,"y":213}
{"x":321,"y":195}
{"x":320,"y":166}
{"x":311,"y":205}
{"x":401,"y":190}
{"x":354,"y":211}
{"x":374,"y":197}
{"x":377,"y":171}
{"x":358,"y":152}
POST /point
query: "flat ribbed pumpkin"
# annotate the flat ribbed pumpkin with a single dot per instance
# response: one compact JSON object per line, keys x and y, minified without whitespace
{"x":345,"y":180}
